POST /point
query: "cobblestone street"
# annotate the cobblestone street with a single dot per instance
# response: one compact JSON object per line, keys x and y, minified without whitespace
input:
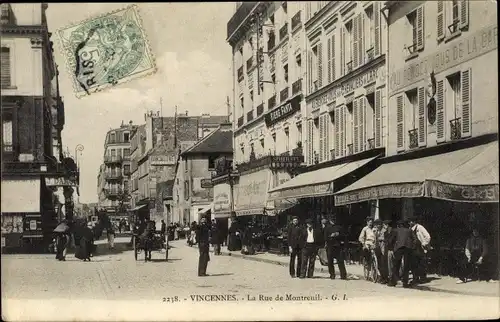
{"x":119,"y":277}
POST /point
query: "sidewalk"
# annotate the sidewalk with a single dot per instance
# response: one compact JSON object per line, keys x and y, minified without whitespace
{"x":437,"y":283}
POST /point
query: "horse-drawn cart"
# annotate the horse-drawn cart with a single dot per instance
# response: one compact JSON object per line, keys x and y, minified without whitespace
{"x":147,"y":242}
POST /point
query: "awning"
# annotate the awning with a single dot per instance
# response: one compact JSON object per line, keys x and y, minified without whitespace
{"x":251,"y":193}
{"x":315,"y":183}
{"x":464,"y":175}
{"x":138,"y":207}
{"x":20,"y":195}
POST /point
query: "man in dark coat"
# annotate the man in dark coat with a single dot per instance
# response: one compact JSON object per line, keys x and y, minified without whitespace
{"x":310,"y":240}
{"x":293,"y":237}
{"x":203,"y":236}
{"x":403,"y":247}
{"x":234,"y":242}
{"x":334,"y":243}
{"x":215,"y":237}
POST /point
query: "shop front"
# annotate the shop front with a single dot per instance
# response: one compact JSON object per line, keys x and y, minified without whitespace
{"x":449,"y":193}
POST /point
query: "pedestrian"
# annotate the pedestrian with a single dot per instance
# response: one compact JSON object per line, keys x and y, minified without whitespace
{"x":367,"y":239}
{"x":163,"y":228}
{"x":294,"y":245}
{"x":476,"y":251}
{"x":215,"y":237}
{"x":311,"y":240}
{"x":379,"y":230}
{"x":84,"y":249}
{"x":62,"y":242}
{"x":203,"y":235}
{"x":110,"y":232}
{"x":247,"y":240}
{"x":234,"y":240}
{"x":403,"y":248}
{"x":334,"y":237}
{"x":419,"y":258}
{"x":390,"y":241}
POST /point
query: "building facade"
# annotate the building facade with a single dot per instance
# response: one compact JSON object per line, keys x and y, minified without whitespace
{"x":442,"y":150}
{"x":193,"y":189}
{"x":114,"y":173}
{"x":267,"y":41}
{"x":37,"y":178}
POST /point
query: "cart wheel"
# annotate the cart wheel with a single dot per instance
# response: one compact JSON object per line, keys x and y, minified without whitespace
{"x":135,"y":247}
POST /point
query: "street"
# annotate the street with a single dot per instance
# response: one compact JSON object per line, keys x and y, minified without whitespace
{"x":36,"y":279}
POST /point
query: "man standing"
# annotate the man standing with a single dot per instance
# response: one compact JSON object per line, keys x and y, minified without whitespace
{"x":311,"y":240}
{"x":402,"y":251}
{"x":333,"y":235}
{"x":390,"y":241}
{"x":215,"y":236}
{"x":203,"y":236}
{"x":422,"y":244}
{"x":293,"y":237}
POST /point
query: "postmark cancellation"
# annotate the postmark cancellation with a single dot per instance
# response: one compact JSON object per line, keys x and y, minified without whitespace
{"x":107,"y":50}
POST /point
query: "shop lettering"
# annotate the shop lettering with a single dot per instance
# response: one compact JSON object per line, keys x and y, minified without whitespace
{"x":302,"y":192}
{"x":457,"y":192}
{"x":457,"y":53}
{"x":389,"y":191}
{"x":285,"y":109}
{"x":348,"y":87}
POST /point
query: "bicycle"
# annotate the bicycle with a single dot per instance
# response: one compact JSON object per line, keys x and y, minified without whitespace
{"x":370,"y":267}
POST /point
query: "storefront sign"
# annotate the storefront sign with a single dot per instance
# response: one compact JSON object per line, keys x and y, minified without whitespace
{"x":399,"y":190}
{"x":456,"y":53}
{"x":162,"y":160}
{"x":251,"y":192}
{"x":283,"y":111}
{"x":222,"y":197}
{"x":348,"y":86}
{"x":59,"y":182}
{"x":303,"y":192}
{"x":446,"y":191}
{"x":206,"y":183}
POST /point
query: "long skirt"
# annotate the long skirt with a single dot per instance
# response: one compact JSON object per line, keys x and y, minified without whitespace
{"x":234,"y":243}
{"x":84,"y":249}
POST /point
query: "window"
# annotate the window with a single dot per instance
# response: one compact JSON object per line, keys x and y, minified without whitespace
{"x":415,"y":41}
{"x":285,"y":7}
{"x":299,"y":133}
{"x":126,"y":137}
{"x":273,"y":78}
{"x":274,"y":143}
{"x":211,"y":163}
{"x":452,"y":17}
{"x":6,"y":67}
{"x":287,"y":139}
{"x":285,"y":73}
{"x":298,"y":63}
{"x":242,"y":102}
{"x":113,"y":152}
{"x":251,"y":97}
{"x":7,"y":135}
{"x":371,"y":28}
{"x":112,"y":138}
{"x":413,"y":108}
{"x":317,"y":67}
{"x":348,"y":46}
{"x":412,"y":19}
{"x":126,"y":152}
{"x":126,"y":169}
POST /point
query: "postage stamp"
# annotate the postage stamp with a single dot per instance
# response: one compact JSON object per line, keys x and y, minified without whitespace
{"x":107,"y":50}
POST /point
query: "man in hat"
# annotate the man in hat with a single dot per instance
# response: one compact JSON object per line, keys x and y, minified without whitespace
{"x":294,"y":246}
{"x":334,"y":244}
{"x":311,"y":240}
{"x":203,"y":236}
{"x":382,"y":240}
{"x":422,"y":245}
{"x":403,"y":248}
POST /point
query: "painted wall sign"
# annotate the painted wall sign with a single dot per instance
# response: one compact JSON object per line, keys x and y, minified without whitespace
{"x":456,"y":53}
{"x":222,"y":197}
{"x":441,"y":190}
{"x":348,"y":86}
{"x":283,"y":111}
{"x":59,"y":182}
{"x":303,"y":191}
{"x":252,"y":190}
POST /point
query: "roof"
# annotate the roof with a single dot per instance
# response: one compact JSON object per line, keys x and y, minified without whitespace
{"x":213,"y":119}
{"x":219,"y":141}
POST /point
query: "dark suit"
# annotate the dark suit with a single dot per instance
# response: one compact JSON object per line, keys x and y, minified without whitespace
{"x":203,"y":237}
{"x":403,"y":245}
{"x":293,"y":238}
{"x":334,"y":249}
{"x":310,"y":250}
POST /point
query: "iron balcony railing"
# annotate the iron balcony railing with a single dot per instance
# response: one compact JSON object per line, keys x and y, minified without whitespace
{"x":250,"y":63}
{"x":413,"y":138}
{"x":113,"y":159}
{"x":239,"y":17}
{"x":350,"y":149}
{"x":114,"y":175}
{"x":456,"y":128}
{"x":371,"y":144}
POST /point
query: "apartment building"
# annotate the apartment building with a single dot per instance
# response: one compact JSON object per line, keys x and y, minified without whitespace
{"x":114,"y":173}
{"x":267,"y":42}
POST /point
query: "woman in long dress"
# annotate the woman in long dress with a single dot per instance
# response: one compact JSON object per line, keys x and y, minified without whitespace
{"x":234,"y":243}
{"x":84,"y":250}
{"x":62,"y":240}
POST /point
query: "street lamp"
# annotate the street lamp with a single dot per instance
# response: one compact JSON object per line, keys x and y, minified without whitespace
{"x":78,"y":148}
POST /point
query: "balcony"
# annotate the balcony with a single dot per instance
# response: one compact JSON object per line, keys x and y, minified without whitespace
{"x":239,"y":17}
{"x":240,"y":74}
{"x":240,"y":121}
{"x":250,"y":116}
{"x":453,"y":28}
{"x":456,"y":129}
{"x":285,"y":154}
{"x":250,"y":63}
{"x":349,"y":66}
{"x":271,"y":102}
{"x":284,"y":32}
{"x":126,"y":157}
{"x":413,"y":138}
{"x":113,"y":193}
{"x":296,"y":21}
{"x":350,"y":149}
{"x":271,"y":42}
{"x":284,"y":94}
{"x":110,"y":159}
{"x":412,"y":49}
{"x":297,"y":87}
{"x":126,"y":173}
{"x":371,"y":143}
{"x":260,"y":109}
{"x":113,"y":175}
{"x":370,"y":54}
{"x":298,"y":151}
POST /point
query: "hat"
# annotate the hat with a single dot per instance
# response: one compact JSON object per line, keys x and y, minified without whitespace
{"x":295,"y":217}
{"x":309,"y":221}
{"x":377,"y":221}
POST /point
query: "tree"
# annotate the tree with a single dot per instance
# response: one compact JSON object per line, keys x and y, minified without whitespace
{"x":123,"y":199}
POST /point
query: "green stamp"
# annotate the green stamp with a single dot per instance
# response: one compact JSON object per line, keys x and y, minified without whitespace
{"x":106,"y":51}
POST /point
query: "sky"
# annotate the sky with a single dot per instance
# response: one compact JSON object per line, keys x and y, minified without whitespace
{"x":194,"y":73}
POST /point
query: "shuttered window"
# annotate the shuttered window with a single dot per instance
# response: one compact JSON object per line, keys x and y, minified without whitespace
{"x":376,"y":17}
{"x":354,"y":49}
{"x":336,"y":117}
{"x":321,"y":137}
{"x":466,"y":102}
{"x":355,"y":114}
{"x":464,"y":14}
{"x":440,"y":20}
{"x":6,"y":67}
{"x":400,"y":123}
{"x":309,"y":70}
{"x":342,"y":51}
{"x":422,"y":117}
{"x":361,"y":31}
{"x":361,"y":123}
{"x":440,"y":112}
{"x":320,"y":64}
{"x":331,"y":57}
{"x":326,"y":139}
{"x":420,"y":28}
{"x":378,"y":118}
{"x":340,"y":130}
{"x":310,"y":142}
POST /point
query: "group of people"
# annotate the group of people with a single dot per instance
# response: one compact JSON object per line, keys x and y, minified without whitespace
{"x":305,"y":242}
